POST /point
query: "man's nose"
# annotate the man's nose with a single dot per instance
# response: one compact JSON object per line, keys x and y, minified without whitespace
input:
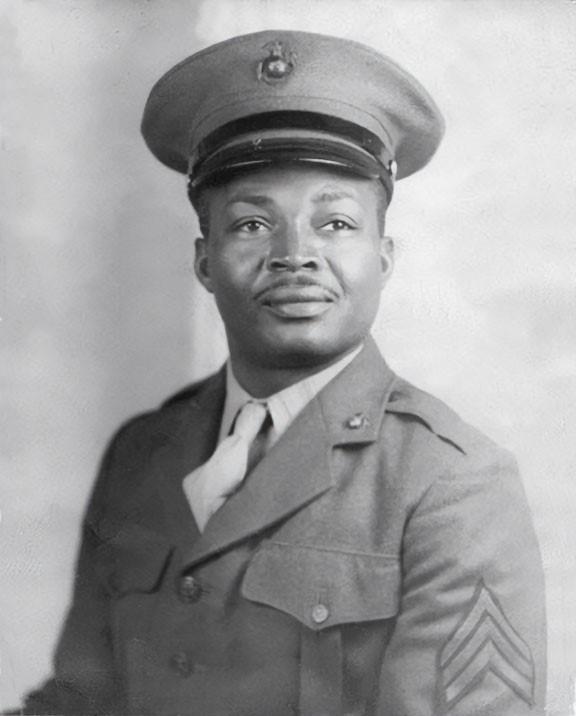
{"x":293,"y":249}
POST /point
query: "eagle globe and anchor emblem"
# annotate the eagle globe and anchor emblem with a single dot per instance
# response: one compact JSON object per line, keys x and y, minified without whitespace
{"x":278,"y":65}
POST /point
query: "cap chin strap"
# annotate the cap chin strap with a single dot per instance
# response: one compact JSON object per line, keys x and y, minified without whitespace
{"x":264,"y":150}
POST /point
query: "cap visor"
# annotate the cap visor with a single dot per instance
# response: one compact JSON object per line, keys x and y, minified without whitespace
{"x":262,"y":152}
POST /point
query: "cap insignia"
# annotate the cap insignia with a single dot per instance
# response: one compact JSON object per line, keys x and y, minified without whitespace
{"x":278,"y":65}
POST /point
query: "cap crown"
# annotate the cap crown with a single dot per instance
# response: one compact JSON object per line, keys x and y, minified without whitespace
{"x":284,"y":71}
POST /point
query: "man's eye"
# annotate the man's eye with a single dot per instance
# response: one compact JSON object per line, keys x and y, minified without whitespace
{"x":338,"y":225}
{"x":251,"y":226}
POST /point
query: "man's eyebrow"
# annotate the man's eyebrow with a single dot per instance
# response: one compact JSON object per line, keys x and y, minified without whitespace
{"x":257,"y":199}
{"x":332,"y":195}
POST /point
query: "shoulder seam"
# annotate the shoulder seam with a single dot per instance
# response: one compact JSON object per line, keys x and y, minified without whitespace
{"x":189,"y":391}
{"x":418,"y":417}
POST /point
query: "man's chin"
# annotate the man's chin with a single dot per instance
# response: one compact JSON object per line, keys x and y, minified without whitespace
{"x":306,"y":352}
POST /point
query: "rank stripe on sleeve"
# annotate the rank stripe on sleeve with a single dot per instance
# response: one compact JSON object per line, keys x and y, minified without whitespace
{"x":485,"y":641}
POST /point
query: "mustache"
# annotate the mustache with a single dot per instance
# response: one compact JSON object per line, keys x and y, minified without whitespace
{"x":294,"y":282}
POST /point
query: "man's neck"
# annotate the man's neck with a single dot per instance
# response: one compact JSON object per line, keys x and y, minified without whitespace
{"x":261,"y":381}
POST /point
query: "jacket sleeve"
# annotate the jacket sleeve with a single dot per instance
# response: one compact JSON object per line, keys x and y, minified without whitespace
{"x":470,"y":633}
{"x":84,"y":680}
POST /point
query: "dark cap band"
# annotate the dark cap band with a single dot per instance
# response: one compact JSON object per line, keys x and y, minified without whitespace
{"x":268,"y":147}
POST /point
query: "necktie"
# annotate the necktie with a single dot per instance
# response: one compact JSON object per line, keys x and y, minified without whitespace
{"x":208,"y":487}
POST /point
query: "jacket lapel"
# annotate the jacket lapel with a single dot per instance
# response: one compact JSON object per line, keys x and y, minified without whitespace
{"x":191,"y":439}
{"x":297,"y":469}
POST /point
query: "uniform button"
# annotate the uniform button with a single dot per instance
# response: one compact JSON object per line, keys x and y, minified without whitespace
{"x":181,"y":664}
{"x":189,"y":589}
{"x":320,"y":613}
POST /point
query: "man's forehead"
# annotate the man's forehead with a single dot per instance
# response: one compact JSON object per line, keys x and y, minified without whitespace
{"x":317,"y":187}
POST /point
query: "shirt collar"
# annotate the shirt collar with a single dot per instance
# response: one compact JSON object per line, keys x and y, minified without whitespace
{"x":285,"y":405}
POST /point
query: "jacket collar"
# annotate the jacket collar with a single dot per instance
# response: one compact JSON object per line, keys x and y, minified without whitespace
{"x":353,"y":404}
{"x":297,"y":469}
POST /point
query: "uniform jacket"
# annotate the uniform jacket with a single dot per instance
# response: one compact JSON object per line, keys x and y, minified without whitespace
{"x":380,"y":560}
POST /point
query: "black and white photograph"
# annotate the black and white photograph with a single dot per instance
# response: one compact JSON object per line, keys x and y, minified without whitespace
{"x":288,"y":338}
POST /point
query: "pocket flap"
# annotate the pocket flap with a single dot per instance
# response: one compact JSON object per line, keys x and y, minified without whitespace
{"x":134,"y":560}
{"x":323,"y":587}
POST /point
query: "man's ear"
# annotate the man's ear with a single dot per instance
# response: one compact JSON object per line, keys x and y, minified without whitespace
{"x":201,"y":264}
{"x":386,"y":257}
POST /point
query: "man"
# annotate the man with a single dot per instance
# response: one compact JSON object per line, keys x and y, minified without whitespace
{"x":303,"y":532}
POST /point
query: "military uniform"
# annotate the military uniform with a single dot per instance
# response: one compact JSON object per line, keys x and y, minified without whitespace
{"x":380,"y":560}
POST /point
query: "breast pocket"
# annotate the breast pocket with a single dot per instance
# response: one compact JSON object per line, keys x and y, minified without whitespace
{"x":323,"y":588}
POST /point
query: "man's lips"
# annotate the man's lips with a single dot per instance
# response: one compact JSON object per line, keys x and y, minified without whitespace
{"x":296,"y":300}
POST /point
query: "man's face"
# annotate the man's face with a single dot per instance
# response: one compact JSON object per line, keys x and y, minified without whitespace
{"x":296,"y":260}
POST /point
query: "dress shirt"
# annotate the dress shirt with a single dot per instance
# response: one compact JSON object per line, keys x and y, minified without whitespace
{"x":283,"y":406}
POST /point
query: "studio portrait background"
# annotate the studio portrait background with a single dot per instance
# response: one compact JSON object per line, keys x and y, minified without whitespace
{"x":102,"y":317}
